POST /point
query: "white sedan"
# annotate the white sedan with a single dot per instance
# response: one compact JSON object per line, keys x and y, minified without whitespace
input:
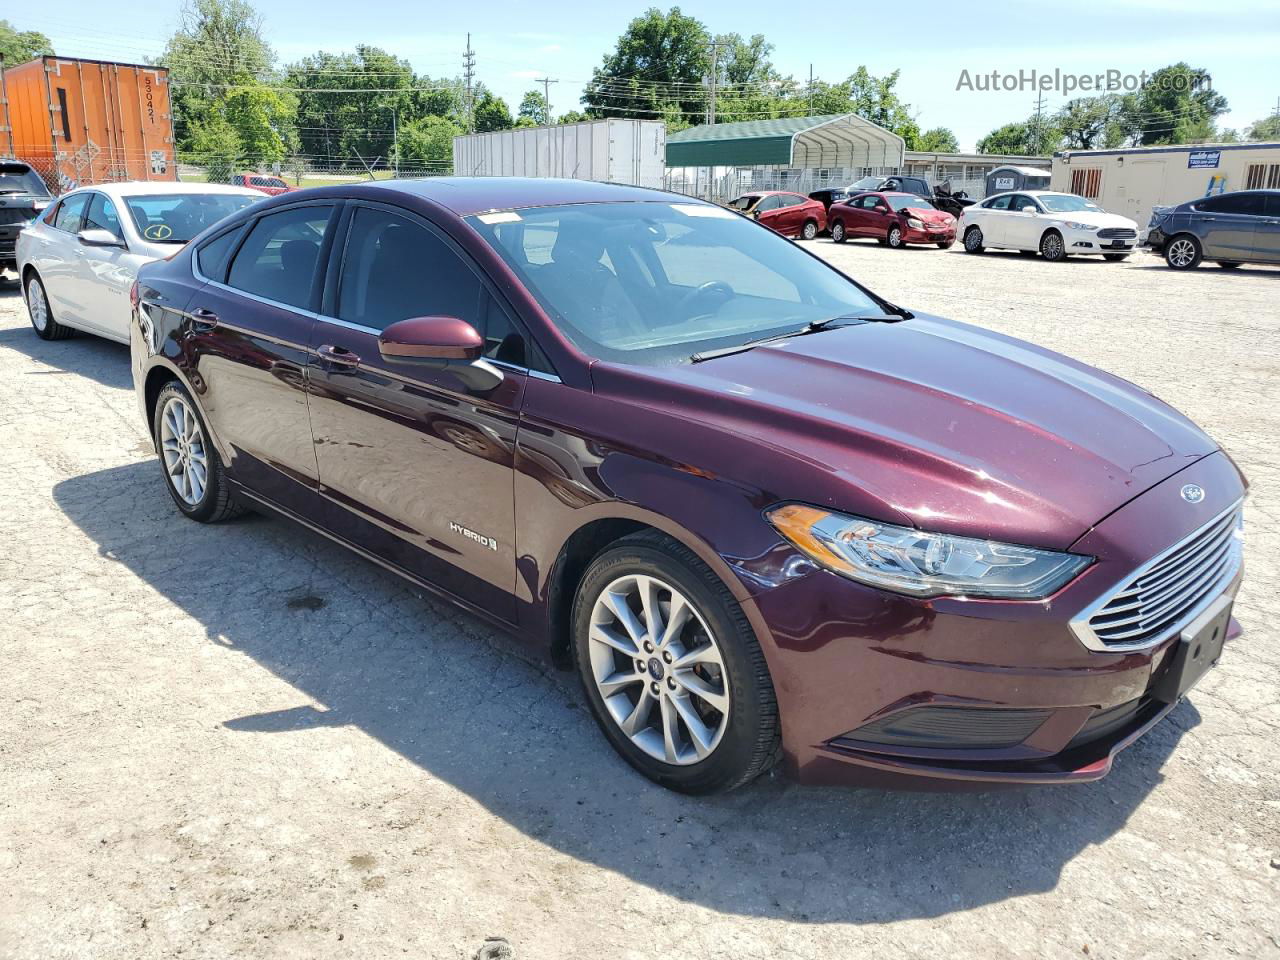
{"x":1055,"y":225}
{"x":78,"y":261}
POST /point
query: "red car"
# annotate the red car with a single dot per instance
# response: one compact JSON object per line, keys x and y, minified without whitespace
{"x":787,"y":213}
{"x":765,"y":513}
{"x":892,"y":218}
{"x":272,"y":186}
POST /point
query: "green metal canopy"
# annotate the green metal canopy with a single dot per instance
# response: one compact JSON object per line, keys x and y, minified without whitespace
{"x":835,"y":140}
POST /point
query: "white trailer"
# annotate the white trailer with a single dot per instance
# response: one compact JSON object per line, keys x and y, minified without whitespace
{"x":611,"y":151}
{"x":1131,"y":181}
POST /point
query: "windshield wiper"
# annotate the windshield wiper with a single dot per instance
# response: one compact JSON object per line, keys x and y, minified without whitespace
{"x":814,"y":326}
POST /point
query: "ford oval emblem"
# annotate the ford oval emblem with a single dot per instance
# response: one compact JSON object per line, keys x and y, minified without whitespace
{"x":1193,"y":493}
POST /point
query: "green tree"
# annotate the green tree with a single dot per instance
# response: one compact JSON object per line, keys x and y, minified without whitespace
{"x":1268,"y":128}
{"x":492,"y":113}
{"x":428,"y":143}
{"x":1011,"y":138}
{"x":1091,"y":122}
{"x":214,"y":144}
{"x":661,"y":59}
{"x":18,"y":47}
{"x":938,"y":140}
{"x":534,"y":107}
{"x":573,"y":116}
{"x":1177,"y":105}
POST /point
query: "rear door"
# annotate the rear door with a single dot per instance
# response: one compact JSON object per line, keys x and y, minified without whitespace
{"x":1266,"y":238}
{"x":58,"y":260}
{"x":250,"y":327}
{"x":415,"y":468}
{"x":995,"y":222}
{"x":1227,"y":225}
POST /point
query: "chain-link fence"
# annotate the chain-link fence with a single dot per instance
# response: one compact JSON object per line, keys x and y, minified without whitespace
{"x":720,"y":185}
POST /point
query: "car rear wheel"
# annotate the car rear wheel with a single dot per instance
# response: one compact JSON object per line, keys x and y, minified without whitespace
{"x":192,"y":470}
{"x":1183,"y":252}
{"x":973,"y":240}
{"x":810,"y":230}
{"x":41,"y":314}
{"x":672,"y":669}
{"x":1052,"y":248}
{"x":894,"y":239}
{"x":837,"y":232}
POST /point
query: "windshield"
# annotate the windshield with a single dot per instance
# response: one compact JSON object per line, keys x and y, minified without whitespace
{"x":19,"y":178}
{"x":652,"y":283}
{"x":177,"y":217}
{"x":1066,"y":203}
{"x":915,"y":203}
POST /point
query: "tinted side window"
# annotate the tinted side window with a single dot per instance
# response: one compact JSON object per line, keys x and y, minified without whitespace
{"x":1246,"y":203}
{"x":278,"y":258}
{"x":212,"y":256}
{"x":1272,"y":205}
{"x":394,"y":269}
{"x":1022,"y":200}
{"x":68,"y":217}
{"x":1000,"y":203}
{"x":102,"y":215}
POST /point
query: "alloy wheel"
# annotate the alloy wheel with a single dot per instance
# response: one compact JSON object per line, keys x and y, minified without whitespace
{"x":810,"y":230}
{"x":837,"y":232}
{"x":973,"y":240}
{"x":1181,"y":253}
{"x":895,"y":237}
{"x":1051,"y":247}
{"x":183,"y":448}
{"x":658,"y":669}
{"x":37,"y":306}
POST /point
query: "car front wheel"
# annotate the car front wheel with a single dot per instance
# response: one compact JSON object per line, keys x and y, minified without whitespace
{"x":1052,"y":248}
{"x":973,"y":240}
{"x":672,"y":669}
{"x":1183,"y":252}
{"x":837,"y":232}
{"x":894,"y":238}
{"x":192,"y":470}
{"x":41,"y":313}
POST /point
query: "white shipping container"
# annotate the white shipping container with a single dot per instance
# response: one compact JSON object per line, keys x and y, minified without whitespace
{"x":611,"y":151}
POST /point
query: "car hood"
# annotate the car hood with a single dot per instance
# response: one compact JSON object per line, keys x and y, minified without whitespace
{"x":1095,"y":218}
{"x":938,"y":424}
{"x":930,"y":215}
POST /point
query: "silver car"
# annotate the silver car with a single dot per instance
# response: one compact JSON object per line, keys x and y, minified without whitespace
{"x":78,"y":261}
{"x":1228,"y":228}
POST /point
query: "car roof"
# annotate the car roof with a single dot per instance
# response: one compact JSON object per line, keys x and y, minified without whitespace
{"x":468,"y":195}
{"x":150,"y":188}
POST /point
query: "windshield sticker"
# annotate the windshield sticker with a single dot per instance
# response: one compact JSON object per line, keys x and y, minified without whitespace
{"x":509,"y":216}
{"x":703,"y":210}
{"x":158,"y":231}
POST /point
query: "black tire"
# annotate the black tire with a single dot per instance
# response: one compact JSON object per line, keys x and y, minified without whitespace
{"x":215,"y":503}
{"x":1229,"y":264}
{"x":1115,"y":257}
{"x":1183,"y":252}
{"x":809,"y":230}
{"x":751,"y":741}
{"x":52,"y":329}
{"x":973,"y":240}
{"x":837,"y":232}
{"x":1052,"y":247}
{"x":946,"y":244}
{"x":894,"y":238}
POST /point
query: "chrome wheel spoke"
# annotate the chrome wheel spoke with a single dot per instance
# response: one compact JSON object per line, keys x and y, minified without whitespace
{"x":618,"y":682}
{"x":638,"y":719}
{"x":623,"y":614}
{"x":700,"y":735}
{"x":649,"y":604}
{"x":605,"y":635}
{"x":670,"y":745}
{"x":703,"y":690}
{"x":677,"y":617}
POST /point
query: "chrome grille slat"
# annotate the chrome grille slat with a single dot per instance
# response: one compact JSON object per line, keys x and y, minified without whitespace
{"x":1167,"y":592}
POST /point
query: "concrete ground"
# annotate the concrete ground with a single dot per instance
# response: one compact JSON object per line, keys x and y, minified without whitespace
{"x":241,"y":741}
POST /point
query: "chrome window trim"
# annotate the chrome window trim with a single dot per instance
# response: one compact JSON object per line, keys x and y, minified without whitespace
{"x":300,"y":311}
{"x":1080,"y":622}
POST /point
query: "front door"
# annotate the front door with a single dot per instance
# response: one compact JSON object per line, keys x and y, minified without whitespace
{"x":105,"y":274}
{"x":1023,"y":229}
{"x":250,"y":328}
{"x":414,"y":467}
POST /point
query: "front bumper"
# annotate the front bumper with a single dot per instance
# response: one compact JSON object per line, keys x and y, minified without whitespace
{"x":846,"y":658}
{"x":931,"y":235}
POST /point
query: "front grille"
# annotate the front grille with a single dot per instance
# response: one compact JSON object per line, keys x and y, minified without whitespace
{"x":1169,"y":591}
{"x":8,"y":246}
{"x":1117,"y":233}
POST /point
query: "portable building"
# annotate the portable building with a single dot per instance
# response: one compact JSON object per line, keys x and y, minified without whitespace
{"x":88,"y":121}
{"x":611,"y":151}
{"x":1131,"y":181}
{"x":1009,"y":177}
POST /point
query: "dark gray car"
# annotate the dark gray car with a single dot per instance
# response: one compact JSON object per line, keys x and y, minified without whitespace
{"x":23,"y":196}
{"x":1229,"y":228}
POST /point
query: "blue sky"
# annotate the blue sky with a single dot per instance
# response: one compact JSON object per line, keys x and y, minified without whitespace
{"x":1236,"y":40}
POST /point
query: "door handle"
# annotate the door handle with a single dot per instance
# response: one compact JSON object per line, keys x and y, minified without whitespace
{"x":337,"y":356}
{"x":1208,"y":218}
{"x":203,"y":320}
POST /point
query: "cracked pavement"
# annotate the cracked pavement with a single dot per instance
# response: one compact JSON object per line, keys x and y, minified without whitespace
{"x":241,"y":740}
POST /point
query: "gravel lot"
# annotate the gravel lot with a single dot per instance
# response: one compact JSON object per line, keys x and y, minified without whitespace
{"x":243,"y":741}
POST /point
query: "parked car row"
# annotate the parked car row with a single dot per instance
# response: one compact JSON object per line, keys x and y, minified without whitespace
{"x":671,"y":449}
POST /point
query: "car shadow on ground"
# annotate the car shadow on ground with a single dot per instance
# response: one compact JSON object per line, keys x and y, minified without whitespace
{"x":103,"y":361}
{"x":470,"y":707}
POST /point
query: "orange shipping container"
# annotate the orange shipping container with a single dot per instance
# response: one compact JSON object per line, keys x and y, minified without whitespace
{"x":88,"y":121}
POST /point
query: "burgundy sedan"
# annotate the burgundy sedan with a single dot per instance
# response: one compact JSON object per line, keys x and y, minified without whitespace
{"x":895,"y":219}
{"x":789,"y":214}
{"x":766,"y":514}
{"x":266,"y":183}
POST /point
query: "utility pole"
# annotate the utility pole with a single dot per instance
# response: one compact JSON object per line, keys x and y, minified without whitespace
{"x":546,"y":98}
{"x":711,"y":93}
{"x":1038,"y":132}
{"x":811,"y":89}
{"x":468,"y":72}
{"x":395,"y":139}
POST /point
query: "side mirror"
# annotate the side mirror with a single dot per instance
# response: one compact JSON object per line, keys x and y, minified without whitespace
{"x":1028,"y":209}
{"x":99,"y":238}
{"x":445,"y":342}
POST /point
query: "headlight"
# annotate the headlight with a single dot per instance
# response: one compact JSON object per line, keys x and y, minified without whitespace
{"x":1081,"y":226}
{"x":906,"y":560}
{"x":915,"y":224}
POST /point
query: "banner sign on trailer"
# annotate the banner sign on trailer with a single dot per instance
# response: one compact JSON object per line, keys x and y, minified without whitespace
{"x":1203,"y":159}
